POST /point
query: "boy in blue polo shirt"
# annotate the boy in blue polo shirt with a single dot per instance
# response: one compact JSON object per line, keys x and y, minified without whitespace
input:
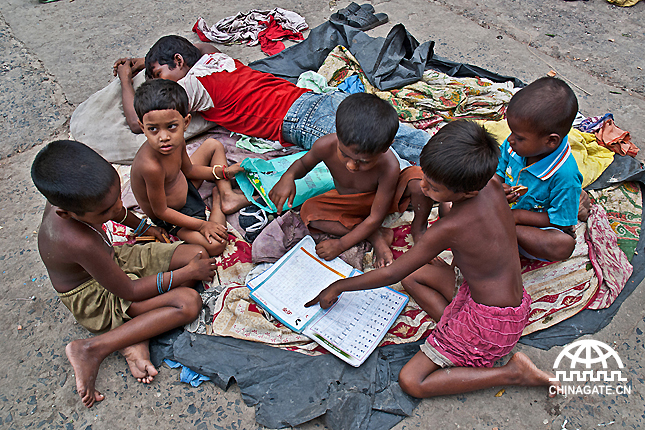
{"x":540,"y":176}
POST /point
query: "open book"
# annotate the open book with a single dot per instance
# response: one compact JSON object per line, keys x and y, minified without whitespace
{"x":351,"y":328}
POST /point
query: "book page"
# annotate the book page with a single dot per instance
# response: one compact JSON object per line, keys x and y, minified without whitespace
{"x":294,"y":280}
{"x":357,"y":322}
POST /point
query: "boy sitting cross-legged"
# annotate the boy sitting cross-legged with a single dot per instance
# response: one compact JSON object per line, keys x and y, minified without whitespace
{"x":484,"y":321}
{"x":369,"y":182}
{"x":165,"y":179}
{"x":123,"y":293}
{"x":537,"y":156}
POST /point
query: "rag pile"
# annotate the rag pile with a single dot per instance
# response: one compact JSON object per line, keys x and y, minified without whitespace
{"x":266,"y":27}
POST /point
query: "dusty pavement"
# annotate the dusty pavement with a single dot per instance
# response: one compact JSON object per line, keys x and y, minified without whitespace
{"x":55,"y":55}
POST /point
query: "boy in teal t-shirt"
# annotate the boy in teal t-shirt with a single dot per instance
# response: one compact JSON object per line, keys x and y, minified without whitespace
{"x":537,"y":156}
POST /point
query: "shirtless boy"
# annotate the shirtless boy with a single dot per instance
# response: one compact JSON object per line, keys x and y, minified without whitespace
{"x":537,"y":156}
{"x":368,"y":180}
{"x":115,"y":292}
{"x":165,"y":179}
{"x":486,"y":318}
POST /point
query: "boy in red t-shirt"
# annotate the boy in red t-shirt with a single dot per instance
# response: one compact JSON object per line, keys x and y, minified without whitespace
{"x":244,"y":100}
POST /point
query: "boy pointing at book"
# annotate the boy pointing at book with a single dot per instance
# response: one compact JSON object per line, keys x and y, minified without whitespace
{"x":484,"y":321}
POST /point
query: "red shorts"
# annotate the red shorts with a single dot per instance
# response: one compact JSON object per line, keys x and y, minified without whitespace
{"x":470,"y":334}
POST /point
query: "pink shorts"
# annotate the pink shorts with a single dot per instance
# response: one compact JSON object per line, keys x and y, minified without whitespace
{"x":470,"y":334}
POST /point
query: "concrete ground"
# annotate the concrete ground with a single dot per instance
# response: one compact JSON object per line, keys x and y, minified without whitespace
{"x":56,"y":55}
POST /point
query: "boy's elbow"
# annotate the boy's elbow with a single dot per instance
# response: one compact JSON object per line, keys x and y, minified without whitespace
{"x":134,"y":127}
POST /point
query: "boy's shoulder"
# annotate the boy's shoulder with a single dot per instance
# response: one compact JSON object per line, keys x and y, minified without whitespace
{"x":147,"y":161}
{"x":61,"y":241}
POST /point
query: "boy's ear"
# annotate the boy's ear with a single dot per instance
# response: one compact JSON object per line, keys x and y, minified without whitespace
{"x":64,"y":214}
{"x":140,"y":124}
{"x":187,"y":120}
{"x":471,"y":194}
{"x":179,"y":60}
{"x":553,"y":140}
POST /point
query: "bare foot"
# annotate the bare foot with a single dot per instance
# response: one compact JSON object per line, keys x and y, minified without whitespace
{"x":381,"y":241}
{"x":439,"y":262}
{"x":86,"y":366}
{"x":232,"y":202}
{"x":138,"y":358}
{"x":530,"y":375}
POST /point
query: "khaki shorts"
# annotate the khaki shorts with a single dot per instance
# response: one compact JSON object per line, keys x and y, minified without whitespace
{"x":99,"y":310}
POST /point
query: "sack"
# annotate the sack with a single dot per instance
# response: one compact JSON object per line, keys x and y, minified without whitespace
{"x":99,"y":123}
{"x":261,"y":176}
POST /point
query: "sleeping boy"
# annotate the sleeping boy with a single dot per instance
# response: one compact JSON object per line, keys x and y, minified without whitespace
{"x":369,"y":182}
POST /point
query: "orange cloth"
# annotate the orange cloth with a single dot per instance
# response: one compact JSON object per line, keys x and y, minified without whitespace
{"x":612,"y":137}
{"x":351,"y":209}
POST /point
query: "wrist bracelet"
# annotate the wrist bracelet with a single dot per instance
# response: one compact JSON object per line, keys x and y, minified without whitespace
{"x":160,"y":282}
{"x":170,"y":284}
{"x":146,"y":229}
{"x":138,"y":229}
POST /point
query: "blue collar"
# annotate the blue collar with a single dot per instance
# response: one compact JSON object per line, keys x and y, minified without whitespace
{"x":546,"y":167}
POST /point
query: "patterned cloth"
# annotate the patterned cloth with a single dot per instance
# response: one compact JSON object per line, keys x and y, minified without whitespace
{"x":608,"y":260}
{"x":437,"y":97}
{"x":623,"y":205}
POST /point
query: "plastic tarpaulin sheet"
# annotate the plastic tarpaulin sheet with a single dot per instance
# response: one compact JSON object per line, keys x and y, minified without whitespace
{"x":391,"y":62}
{"x":288,"y":388}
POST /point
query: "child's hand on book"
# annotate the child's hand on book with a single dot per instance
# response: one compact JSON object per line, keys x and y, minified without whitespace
{"x":329,"y":249}
{"x":326,"y":297}
{"x":283,"y":191}
{"x":215,"y":231}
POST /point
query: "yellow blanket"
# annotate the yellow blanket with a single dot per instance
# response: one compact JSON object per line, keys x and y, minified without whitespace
{"x":592,"y":158}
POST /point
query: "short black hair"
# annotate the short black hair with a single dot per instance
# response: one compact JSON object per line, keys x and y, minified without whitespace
{"x":548,"y":105}
{"x":160,"y":94}
{"x":462,"y":156}
{"x":366,"y":123}
{"x":164,"y":50}
{"x":73,"y":176}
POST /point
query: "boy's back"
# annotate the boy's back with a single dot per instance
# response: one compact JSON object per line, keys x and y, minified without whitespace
{"x":480,"y":232}
{"x":63,"y":244}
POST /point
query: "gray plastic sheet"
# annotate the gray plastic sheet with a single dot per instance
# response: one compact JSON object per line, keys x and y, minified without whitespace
{"x":288,"y":388}
{"x":391,"y":62}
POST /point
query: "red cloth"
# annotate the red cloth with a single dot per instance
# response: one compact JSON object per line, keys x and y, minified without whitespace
{"x":351,"y":209}
{"x":615,"y":139}
{"x":270,"y":37}
{"x":249,"y":102}
{"x":470,"y":334}
{"x":200,"y":33}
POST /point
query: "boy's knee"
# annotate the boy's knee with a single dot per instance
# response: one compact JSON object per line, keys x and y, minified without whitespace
{"x":408,"y":283}
{"x":564,"y":248}
{"x":216,"y":248}
{"x":191,"y":303}
{"x":408,"y":383}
